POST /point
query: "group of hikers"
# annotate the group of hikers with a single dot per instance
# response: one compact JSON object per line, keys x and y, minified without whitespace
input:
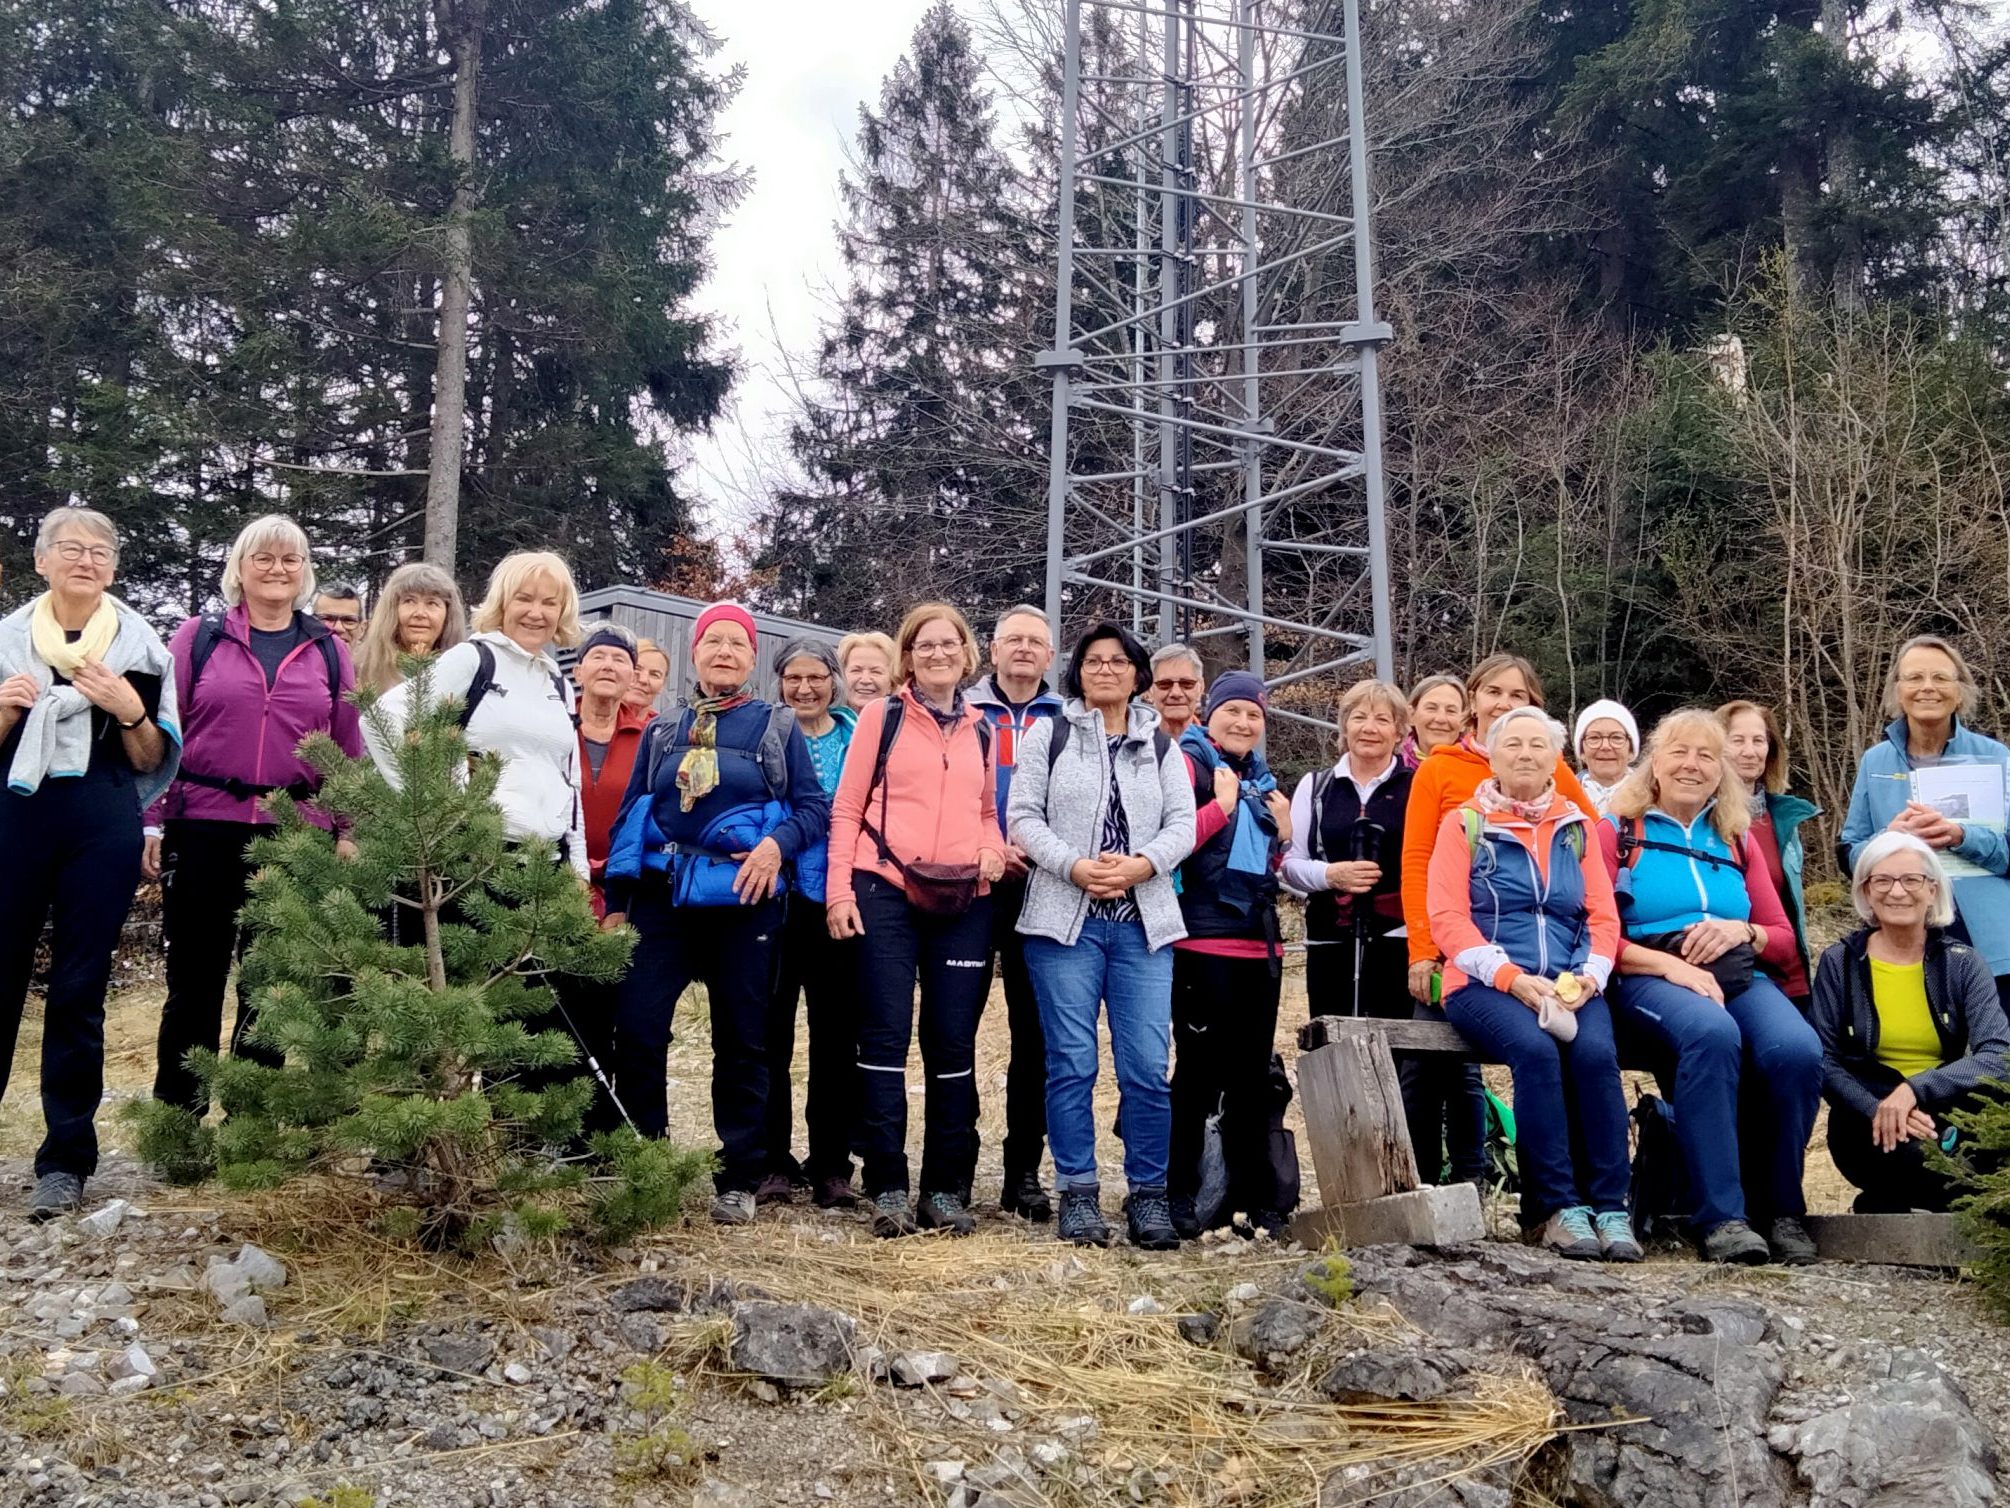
{"x":1110,"y":842}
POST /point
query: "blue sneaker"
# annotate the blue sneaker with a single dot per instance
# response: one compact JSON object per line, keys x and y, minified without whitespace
{"x":1615,"y":1236}
{"x":1569,"y":1233}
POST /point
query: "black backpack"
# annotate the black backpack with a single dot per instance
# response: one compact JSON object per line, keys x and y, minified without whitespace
{"x":485,"y":683}
{"x":209,"y":633}
{"x":1063,"y":729}
{"x":1659,"y":1200}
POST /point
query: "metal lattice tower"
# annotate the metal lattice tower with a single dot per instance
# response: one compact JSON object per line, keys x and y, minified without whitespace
{"x":1215,"y":457}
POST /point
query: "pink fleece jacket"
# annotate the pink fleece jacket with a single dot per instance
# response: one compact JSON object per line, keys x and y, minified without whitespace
{"x":940,"y":801}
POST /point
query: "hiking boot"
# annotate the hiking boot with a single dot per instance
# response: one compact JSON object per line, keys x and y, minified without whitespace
{"x":892,"y":1215}
{"x":944,"y":1211}
{"x":1082,"y":1220}
{"x":56,"y":1194}
{"x":1568,"y":1232}
{"x":1185,"y":1218}
{"x":733,"y":1207}
{"x":835,"y":1193}
{"x":1791,"y":1243}
{"x":776,"y":1188}
{"x":1615,"y":1236}
{"x":1023,"y":1195}
{"x":1150,"y":1219}
{"x":1735,"y":1241}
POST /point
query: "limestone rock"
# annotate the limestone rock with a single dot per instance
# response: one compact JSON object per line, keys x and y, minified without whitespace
{"x":800,"y":1345}
{"x":1272,"y":1334}
{"x":913,"y":1369}
{"x":1407,"y":1374}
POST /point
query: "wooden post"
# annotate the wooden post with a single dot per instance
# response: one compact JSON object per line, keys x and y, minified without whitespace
{"x":1354,"y":1119}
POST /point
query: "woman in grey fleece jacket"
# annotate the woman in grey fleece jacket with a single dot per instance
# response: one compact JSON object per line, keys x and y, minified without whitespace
{"x":1103,"y":805}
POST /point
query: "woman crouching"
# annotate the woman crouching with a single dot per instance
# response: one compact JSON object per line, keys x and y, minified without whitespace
{"x":1530,"y":931}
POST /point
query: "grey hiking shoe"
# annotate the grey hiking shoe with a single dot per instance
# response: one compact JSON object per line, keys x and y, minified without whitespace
{"x":1792,"y":1245}
{"x":892,"y":1215}
{"x":1150,"y":1219}
{"x":56,"y":1194}
{"x":1616,"y":1238}
{"x":1082,"y":1220}
{"x":1735,"y":1241}
{"x":733,"y":1207}
{"x":944,"y":1211}
{"x":1568,"y":1233}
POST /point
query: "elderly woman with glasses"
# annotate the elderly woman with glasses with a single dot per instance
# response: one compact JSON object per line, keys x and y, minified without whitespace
{"x":1928,"y":694}
{"x":88,"y":736}
{"x":252,"y":681}
{"x":1911,"y":1028}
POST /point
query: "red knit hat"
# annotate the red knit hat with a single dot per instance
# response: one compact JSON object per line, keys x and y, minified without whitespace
{"x":725,"y":612}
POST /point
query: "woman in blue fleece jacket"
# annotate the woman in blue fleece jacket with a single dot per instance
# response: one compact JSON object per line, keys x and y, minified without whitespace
{"x":723,"y":795}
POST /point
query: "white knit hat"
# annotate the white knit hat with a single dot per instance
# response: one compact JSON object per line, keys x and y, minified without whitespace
{"x":1604,"y":708}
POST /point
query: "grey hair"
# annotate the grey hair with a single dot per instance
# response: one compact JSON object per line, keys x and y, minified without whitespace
{"x":1023,"y":610}
{"x":804,"y":647}
{"x":1551,"y":726}
{"x":273,"y":529}
{"x":340,"y":590}
{"x":1939,"y":911}
{"x":1166,"y":653}
{"x":88,"y":519}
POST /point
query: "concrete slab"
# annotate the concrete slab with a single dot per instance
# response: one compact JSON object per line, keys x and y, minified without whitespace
{"x":1445,"y":1215}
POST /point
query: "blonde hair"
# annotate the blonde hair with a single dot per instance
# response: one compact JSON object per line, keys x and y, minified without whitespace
{"x":1432,"y":683}
{"x":910,"y":629}
{"x":264,"y":533}
{"x":1492,"y":666}
{"x":511,"y":574}
{"x":377,"y":655}
{"x":1362,"y":692}
{"x":1774,"y":775}
{"x":1939,"y":912}
{"x":1732,"y":813}
{"x":1964,"y":678}
{"x":870,"y":639}
{"x":651,"y":647}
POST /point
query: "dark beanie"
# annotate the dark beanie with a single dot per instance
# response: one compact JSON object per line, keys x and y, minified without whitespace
{"x":610,"y":633}
{"x":1234,"y":686}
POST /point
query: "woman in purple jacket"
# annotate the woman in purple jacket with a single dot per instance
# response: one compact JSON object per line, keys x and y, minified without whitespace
{"x":252,"y":682}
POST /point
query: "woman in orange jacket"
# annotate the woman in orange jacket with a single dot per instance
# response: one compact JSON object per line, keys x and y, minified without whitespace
{"x":1445,"y":780}
{"x":915,"y":847}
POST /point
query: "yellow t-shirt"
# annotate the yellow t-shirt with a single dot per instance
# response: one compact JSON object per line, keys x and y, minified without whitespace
{"x":1906,"y":1040}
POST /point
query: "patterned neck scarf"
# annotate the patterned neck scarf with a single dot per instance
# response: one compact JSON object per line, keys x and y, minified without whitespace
{"x":698,"y":773}
{"x":1493,"y":799}
{"x":948,"y":718}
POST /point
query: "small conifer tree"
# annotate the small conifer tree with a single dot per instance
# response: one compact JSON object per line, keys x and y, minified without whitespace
{"x":406,"y":989}
{"x":1981,"y":1167}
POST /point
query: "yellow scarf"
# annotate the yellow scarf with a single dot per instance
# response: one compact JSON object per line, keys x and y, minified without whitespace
{"x":53,"y":646}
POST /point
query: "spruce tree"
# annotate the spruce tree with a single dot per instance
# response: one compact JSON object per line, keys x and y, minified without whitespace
{"x":422,"y":1052}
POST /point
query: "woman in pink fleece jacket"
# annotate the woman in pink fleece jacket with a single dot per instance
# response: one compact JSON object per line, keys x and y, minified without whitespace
{"x":919,"y":793}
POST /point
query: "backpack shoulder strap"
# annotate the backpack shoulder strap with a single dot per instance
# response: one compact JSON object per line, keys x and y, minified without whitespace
{"x":333,"y":661}
{"x":655,"y":737}
{"x":1161,"y":745}
{"x":774,"y":749}
{"x":1058,"y":740}
{"x":208,"y":634}
{"x":1573,"y":839}
{"x":1475,"y":825}
{"x":484,"y":679}
{"x":889,"y":730}
{"x":1629,"y":842}
{"x":1316,"y":839}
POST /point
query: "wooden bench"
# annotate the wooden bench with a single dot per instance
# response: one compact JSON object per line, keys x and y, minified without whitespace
{"x":1367,"y":1170}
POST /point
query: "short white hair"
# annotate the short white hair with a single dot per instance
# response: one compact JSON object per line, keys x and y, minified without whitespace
{"x":1023,"y":610}
{"x":1552,"y":729}
{"x":275,"y":530}
{"x":1165,"y":654}
{"x":1939,"y":910}
{"x":90,"y":520}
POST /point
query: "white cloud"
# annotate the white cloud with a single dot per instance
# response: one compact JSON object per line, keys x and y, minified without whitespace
{"x":809,"y":65}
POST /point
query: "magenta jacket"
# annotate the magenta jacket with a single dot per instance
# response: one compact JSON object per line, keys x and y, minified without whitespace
{"x":236,"y":730}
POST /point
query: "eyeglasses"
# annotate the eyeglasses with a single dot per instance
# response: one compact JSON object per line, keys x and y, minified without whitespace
{"x":74,"y":550}
{"x":1104,"y":666}
{"x":1023,"y":641}
{"x":1188,"y":684}
{"x":1911,"y":884}
{"x":332,"y":619}
{"x":265,"y":560}
{"x":1602,"y":740}
{"x":813,"y":678}
{"x":936,"y":648}
{"x":1925,"y":678}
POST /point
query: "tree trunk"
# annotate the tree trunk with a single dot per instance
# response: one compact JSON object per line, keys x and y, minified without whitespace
{"x":1843,"y":173}
{"x":460,"y":23}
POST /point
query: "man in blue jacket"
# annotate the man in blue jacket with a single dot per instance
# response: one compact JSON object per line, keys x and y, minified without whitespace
{"x":1013,"y":697}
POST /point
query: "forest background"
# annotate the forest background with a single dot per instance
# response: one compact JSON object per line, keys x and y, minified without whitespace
{"x":1701,"y":309}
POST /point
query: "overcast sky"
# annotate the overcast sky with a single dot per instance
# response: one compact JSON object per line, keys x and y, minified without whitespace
{"x":809,"y":65}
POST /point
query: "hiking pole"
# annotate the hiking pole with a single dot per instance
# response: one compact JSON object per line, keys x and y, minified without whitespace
{"x":593,"y":1064}
{"x":1364,"y":843}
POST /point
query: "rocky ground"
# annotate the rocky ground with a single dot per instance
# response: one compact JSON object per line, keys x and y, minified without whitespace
{"x":188,"y":1347}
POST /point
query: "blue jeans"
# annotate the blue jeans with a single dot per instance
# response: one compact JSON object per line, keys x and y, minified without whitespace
{"x":1569,"y":1108}
{"x":1747,"y":1083}
{"x":1109,"y":965}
